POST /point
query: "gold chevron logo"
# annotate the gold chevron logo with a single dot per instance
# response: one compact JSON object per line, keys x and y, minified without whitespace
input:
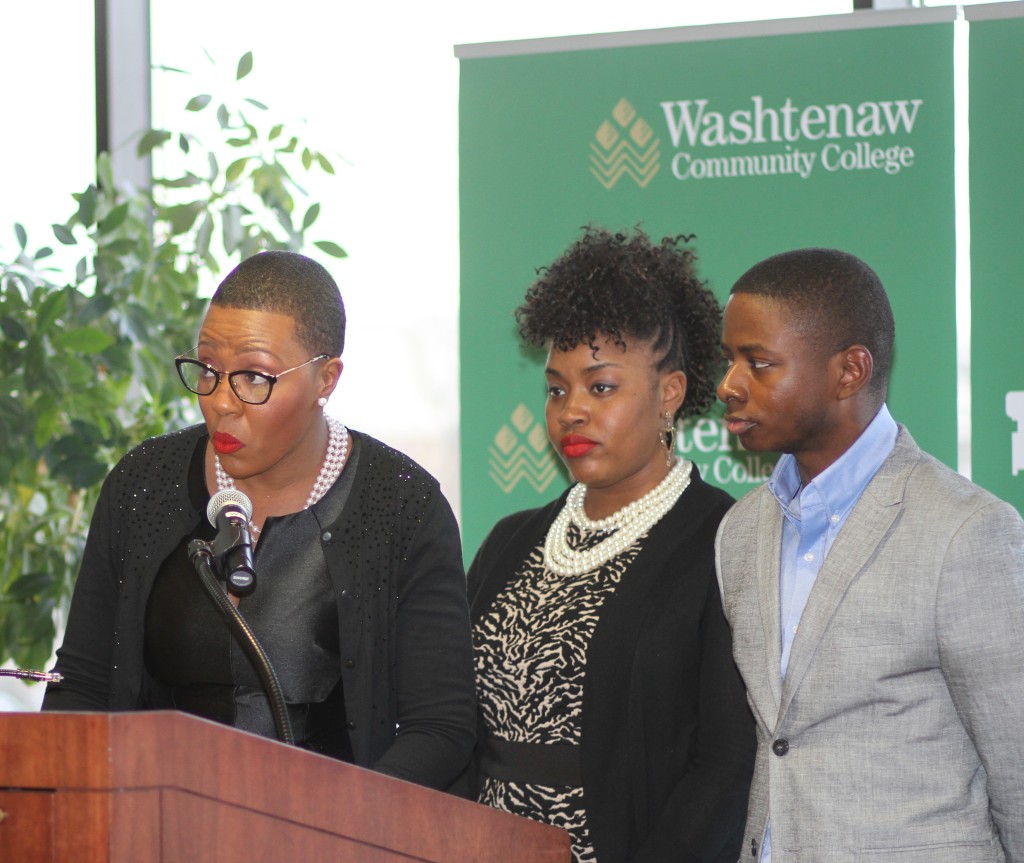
{"x":624,"y":146}
{"x":519,"y":452}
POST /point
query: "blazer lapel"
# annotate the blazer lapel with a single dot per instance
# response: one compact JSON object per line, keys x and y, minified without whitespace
{"x":768,"y":561}
{"x":866,"y":527}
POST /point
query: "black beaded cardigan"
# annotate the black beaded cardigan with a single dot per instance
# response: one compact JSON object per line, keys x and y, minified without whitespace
{"x":395,"y":563}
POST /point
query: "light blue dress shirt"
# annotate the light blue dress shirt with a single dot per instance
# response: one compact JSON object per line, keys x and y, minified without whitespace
{"x":814,"y":515}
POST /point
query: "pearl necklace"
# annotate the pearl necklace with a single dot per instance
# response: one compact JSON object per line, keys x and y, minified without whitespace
{"x":334,"y":461}
{"x":624,"y":527}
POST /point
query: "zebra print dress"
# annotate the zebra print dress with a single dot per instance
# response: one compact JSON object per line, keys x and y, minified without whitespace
{"x":531,"y":659}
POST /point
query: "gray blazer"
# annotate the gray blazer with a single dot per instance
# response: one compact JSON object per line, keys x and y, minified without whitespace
{"x":898,"y":734}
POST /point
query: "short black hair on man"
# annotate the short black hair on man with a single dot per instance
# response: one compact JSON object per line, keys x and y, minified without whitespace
{"x":839,"y":300}
{"x":624,"y":287}
{"x":288,"y":283}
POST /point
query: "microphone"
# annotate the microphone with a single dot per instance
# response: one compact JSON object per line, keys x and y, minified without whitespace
{"x":229,"y":511}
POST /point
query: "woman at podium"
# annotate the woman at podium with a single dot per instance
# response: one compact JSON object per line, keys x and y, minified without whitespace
{"x":359,"y":595}
{"x":609,"y":702}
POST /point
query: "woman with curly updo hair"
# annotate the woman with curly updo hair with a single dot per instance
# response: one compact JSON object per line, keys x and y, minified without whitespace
{"x":609,"y":702}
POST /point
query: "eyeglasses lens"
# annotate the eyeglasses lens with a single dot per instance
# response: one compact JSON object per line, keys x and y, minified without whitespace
{"x":197,"y":377}
{"x":250,"y":387}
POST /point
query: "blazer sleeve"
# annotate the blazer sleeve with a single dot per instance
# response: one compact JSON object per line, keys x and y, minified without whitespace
{"x":436,"y":699}
{"x":980,"y":624}
{"x":85,"y":657}
{"x":704,"y":816}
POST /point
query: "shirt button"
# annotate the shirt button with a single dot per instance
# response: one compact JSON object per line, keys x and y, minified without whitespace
{"x":780,"y":747}
{"x":809,"y":556}
{"x":835,"y":518}
{"x":350,"y":663}
{"x":326,"y":536}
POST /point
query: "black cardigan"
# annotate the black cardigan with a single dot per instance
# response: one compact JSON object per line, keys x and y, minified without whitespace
{"x":395,"y":563}
{"x":667,"y":737}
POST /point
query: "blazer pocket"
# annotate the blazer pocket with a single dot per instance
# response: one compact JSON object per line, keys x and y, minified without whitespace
{"x":867,"y":635}
{"x":952,"y":852}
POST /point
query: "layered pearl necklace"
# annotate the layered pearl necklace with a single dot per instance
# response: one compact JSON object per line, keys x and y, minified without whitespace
{"x":334,"y":461}
{"x":623,"y":527}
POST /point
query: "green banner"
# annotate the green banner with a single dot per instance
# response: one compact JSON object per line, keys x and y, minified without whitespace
{"x":755,"y":144}
{"x":997,"y":255}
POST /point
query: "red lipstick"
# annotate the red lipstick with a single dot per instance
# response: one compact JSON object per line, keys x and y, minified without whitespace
{"x":575,"y":445}
{"x":225,"y":443}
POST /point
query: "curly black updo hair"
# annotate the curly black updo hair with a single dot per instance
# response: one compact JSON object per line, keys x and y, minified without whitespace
{"x":623,"y":287}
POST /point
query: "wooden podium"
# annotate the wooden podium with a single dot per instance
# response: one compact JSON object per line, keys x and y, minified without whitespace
{"x":164,"y":787}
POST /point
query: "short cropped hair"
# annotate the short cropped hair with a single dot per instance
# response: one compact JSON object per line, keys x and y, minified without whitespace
{"x":290,"y":284}
{"x":624,"y":287}
{"x":838,"y":299}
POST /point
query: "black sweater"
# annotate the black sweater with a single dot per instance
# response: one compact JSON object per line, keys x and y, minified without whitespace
{"x":394,"y":561}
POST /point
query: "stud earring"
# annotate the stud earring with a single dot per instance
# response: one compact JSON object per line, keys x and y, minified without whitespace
{"x":321,"y":401}
{"x":668,"y":438}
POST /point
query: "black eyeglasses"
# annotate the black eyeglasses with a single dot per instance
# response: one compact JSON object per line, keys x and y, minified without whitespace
{"x":253,"y":388}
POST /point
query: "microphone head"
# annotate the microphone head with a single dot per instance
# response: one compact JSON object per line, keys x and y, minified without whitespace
{"x":226,"y":497}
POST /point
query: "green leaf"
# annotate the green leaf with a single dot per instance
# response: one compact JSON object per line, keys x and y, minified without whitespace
{"x":183,"y":143}
{"x":182,"y":217}
{"x":223,"y":117}
{"x":290,"y":146}
{"x":332,"y":249}
{"x":307,"y":158}
{"x":114,"y":219}
{"x":44,"y":252}
{"x":152,"y":139}
{"x":97,"y":306}
{"x":64,"y":235}
{"x":54,"y":303}
{"x":197,"y":103}
{"x":105,"y":171}
{"x":235,"y":169}
{"x":275,"y":131}
{"x":13,"y":329}
{"x":29,"y":586}
{"x":186,"y":182}
{"x":244,"y":66}
{"x":84,"y":340}
{"x":123,"y":246}
{"x":21,"y":234}
{"x":311,"y":215}
{"x":87,"y":206}
{"x":257,"y":104}
{"x":80,"y":471}
{"x":233,"y":234}
{"x":204,"y":236}
{"x":81,"y":270}
{"x":327,"y":166}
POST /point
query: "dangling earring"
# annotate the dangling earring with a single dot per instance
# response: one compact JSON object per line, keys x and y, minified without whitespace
{"x":668,"y":437}
{"x":321,"y":401}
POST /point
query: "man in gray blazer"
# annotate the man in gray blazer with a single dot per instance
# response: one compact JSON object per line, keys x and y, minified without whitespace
{"x":876,"y":597}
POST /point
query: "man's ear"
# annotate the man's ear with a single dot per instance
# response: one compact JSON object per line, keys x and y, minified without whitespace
{"x":855,"y":367}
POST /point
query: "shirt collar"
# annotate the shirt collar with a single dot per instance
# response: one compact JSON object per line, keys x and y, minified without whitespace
{"x":842,"y":482}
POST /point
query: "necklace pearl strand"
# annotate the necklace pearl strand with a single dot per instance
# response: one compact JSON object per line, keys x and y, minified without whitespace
{"x":330,"y":470}
{"x":625,"y":526}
